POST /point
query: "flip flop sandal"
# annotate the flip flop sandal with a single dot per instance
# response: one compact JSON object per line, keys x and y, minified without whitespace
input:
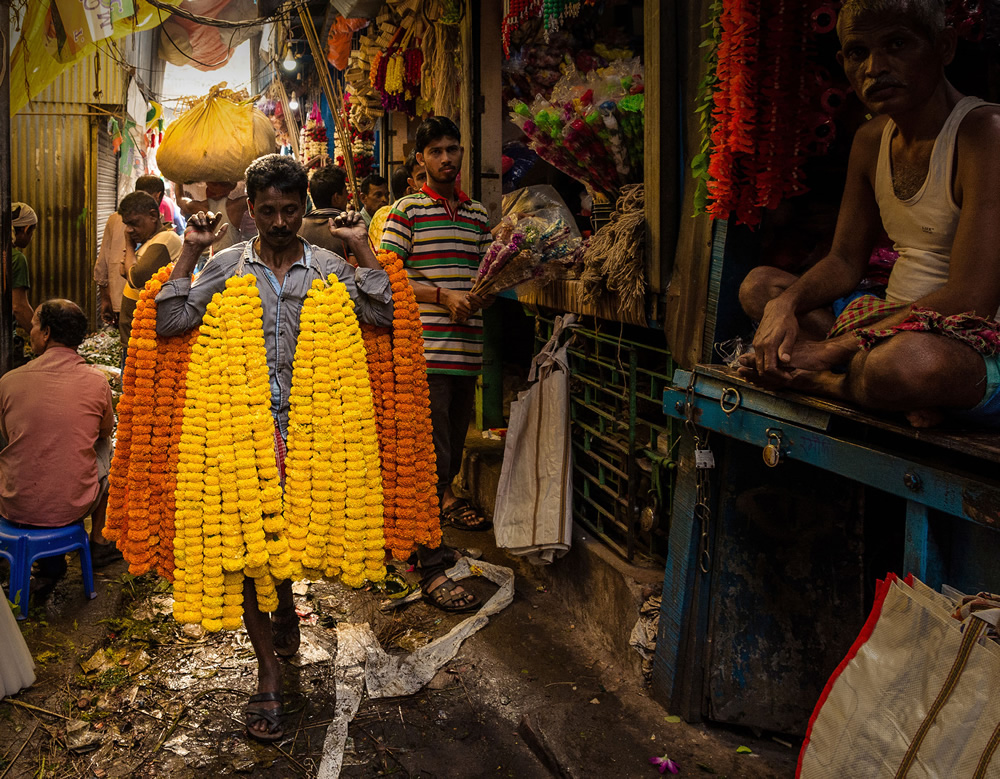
{"x":454,"y":516}
{"x":286,"y":635}
{"x":444,"y":597}
{"x":254,"y":714}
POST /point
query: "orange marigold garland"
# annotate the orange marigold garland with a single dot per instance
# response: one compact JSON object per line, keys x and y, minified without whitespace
{"x":143,"y":471}
{"x":378,"y":348}
{"x":409,"y":474}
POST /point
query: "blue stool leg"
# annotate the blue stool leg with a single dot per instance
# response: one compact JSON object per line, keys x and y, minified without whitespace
{"x":20,"y":578}
{"x":88,"y":570}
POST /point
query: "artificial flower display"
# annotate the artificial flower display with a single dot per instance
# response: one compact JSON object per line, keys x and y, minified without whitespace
{"x":333,"y":486}
{"x":143,"y":472}
{"x":398,"y":376}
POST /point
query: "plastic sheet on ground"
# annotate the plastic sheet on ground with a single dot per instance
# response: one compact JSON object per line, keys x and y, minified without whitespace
{"x":361,"y":662}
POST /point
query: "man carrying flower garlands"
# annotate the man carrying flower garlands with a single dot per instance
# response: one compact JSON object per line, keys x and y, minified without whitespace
{"x":441,"y":234}
{"x":285,"y":268}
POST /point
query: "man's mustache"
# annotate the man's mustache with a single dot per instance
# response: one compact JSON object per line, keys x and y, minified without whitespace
{"x":882,"y":83}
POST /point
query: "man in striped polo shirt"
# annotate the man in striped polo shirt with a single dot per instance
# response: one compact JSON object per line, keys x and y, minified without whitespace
{"x":442,"y":235}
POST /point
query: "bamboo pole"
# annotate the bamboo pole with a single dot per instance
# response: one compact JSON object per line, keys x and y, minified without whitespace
{"x":334,"y":96}
{"x":290,"y":123}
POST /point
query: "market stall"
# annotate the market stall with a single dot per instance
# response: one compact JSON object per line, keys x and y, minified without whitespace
{"x":787,"y":507}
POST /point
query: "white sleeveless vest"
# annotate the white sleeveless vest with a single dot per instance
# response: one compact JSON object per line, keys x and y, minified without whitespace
{"x":922,"y":229}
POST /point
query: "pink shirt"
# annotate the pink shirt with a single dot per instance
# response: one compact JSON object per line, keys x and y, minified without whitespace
{"x":52,"y":412}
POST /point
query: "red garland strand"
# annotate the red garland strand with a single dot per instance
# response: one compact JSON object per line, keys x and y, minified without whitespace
{"x":773,"y":106}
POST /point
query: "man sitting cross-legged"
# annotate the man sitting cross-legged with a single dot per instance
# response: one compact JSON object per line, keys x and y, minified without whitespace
{"x":926,"y":170}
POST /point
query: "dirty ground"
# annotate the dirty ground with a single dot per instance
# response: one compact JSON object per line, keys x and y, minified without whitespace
{"x":123,"y":691}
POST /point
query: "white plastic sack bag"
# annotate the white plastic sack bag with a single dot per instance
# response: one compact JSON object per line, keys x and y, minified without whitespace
{"x":17,"y":669}
{"x":917,"y":696}
{"x":534,"y":506}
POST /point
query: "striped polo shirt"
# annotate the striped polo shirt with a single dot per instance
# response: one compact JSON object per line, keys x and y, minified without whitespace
{"x":442,"y":249}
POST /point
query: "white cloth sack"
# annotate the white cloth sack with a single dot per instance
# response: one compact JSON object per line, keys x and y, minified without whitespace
{"x":534,"y":505}
{"x":917,"y":696}
{"x":17,"y":669}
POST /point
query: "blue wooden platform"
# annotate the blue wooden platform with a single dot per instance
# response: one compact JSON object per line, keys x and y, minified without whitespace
{"x":953,"y":472}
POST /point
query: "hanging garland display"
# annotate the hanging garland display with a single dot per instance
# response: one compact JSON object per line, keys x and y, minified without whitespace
{"x":398,"y":376}
{"x":362,"y":149}
{"x":313,"y":140}
{"x":143,"y":476}
{"x":196,"y":493}
{"x":407,"y":61}
{"x":552,"y":12}
{"x":772,"y":105}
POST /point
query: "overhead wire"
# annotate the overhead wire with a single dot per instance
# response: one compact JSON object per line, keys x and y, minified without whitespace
{"x":287,"y":12}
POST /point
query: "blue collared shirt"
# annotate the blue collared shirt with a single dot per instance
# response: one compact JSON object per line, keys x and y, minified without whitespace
{"x":181,"y":304}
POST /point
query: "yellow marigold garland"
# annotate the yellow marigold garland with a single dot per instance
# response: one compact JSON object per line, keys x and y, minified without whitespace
{"x":228,"y":491}
{"x":411,"y":502}
{"x":333,"y":489}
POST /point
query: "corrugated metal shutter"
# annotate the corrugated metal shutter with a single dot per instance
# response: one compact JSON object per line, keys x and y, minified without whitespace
{"x":51,"y":164}
{"x":107,"y":181}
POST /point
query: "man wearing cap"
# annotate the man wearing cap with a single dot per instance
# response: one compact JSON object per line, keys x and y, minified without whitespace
{"x":23,"y":220}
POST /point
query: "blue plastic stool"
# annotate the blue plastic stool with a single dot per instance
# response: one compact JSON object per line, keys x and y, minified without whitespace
{"x":22,"y":546}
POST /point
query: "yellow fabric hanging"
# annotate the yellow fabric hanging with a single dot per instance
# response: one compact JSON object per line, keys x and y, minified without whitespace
{"x":40,"y":56}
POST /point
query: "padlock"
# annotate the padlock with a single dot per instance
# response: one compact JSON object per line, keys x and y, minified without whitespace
{"x":772,"y":453}
{"x":649,"y":515}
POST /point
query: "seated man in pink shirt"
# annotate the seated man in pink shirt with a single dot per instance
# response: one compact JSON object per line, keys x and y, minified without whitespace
{"x":57,"y":419}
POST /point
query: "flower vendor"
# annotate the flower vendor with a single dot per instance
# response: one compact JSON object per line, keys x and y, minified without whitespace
{"x":158,"y":244}
{"x":328,"y":189}
{"x":922,"y":171}
{"x":23,"y":221}
{"x":285,"y":266}
{"x":442,"y":234}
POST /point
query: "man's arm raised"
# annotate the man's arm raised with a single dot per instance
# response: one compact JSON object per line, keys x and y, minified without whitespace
{"x":858,"y":226}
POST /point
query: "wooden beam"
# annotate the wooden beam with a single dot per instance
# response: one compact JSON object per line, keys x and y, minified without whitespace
{"x":662,"y":139}
{"x":6,"y":300}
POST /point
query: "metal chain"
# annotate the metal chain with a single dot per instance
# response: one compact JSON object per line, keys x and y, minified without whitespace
{"x":703,"y":484}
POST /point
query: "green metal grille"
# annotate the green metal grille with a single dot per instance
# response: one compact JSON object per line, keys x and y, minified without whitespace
{"x":623,"y":444}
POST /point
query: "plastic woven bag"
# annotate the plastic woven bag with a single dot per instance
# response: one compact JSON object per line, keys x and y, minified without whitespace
{"x":215,"y":140}
{"x":534,"y":506}
{"x":917,"y":696}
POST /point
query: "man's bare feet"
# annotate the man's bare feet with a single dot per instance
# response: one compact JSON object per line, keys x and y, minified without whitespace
{"x":925,"y":417}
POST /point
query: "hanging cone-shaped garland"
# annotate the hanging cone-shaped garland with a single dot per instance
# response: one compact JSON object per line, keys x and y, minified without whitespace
{"x":333,"y":487}
{"x":398,"y":374}
{"x":140,"y":515}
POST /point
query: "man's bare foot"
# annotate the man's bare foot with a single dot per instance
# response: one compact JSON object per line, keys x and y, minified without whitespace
{"x":925,"y":417}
